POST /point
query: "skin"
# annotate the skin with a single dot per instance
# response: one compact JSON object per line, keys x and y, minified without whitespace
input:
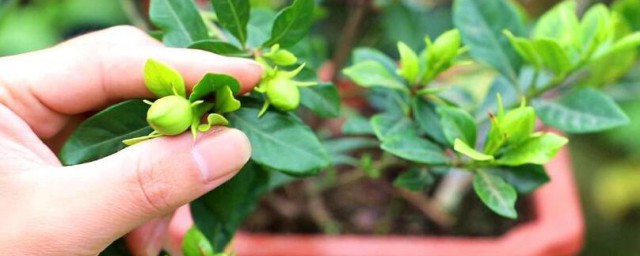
{"x":79,"y":210}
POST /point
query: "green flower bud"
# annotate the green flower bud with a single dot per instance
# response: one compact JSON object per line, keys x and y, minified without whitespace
{"x":170,"y":115}
{"x":283,"y":93}
{"x":280,"y":56}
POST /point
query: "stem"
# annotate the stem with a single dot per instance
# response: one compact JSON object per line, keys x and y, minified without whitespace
{"x":423,"y":203}
{"x":348,"y":35}
{"x":452,"y":188}
{"x":318,"y":210}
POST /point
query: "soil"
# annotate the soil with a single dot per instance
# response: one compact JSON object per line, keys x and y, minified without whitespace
{"x":367,"y":206}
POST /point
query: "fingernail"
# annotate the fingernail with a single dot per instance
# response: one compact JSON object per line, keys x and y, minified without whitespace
{"x":221,"y":152}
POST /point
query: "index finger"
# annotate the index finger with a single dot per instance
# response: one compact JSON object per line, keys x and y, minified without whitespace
{"x":76,"y":78}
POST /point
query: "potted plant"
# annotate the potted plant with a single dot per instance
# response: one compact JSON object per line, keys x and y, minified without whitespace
{"x":437,"y":141}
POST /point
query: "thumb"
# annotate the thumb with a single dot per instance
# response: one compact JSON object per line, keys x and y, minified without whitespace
{"x":153,"y":178}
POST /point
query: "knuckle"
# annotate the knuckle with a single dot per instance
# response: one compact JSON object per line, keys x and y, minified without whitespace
{"x":150,"y":189}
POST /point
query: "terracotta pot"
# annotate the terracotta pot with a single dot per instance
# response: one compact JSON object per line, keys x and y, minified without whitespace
{"x":558,"y":229}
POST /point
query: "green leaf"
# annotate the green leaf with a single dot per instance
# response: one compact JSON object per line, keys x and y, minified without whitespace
{"x":414,"y":179}
{"x":341,"y":150}
{"x":552,"y":55}
{"x":357,"y":125}
{"x":259,"y":28}
{"x":234,"y":16}
{"x":585,"y":110}
{"x":213,"y":119}
{"x":219,"y":213}
{"x":292,"y":23}
{"x":162,"y":80}
{"x":560,"y":23}
{"x":180,"y":21}
{"x":627,"y":43}
{"x":524,"y":178}
{"x":462,"y":147}
{"x":495,"y":193}
{"x":323,"y":99}
{"x":279,"y":141}
{"x":414,"y":148}
{"x":225,"y":102}
{"x":535,"y":150}
{"x":102,"y":134}
{"x":481,"y":24}
{"x":386,"y":125}
{"x":409,"y":67}
{"x":518,"y":124}
{"x":525,"y":48}
{"x":211,"y":83}
{"x":428,"y":120}
{"x":595,"y":29}
{"x":219,"y":47}
{"x":195,"y":243}
{"x":457,"y":124}
{"x":373,"y":74}
{"x":363,"y":54}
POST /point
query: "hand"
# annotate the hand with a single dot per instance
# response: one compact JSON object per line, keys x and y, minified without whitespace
{"x":79,"y":210}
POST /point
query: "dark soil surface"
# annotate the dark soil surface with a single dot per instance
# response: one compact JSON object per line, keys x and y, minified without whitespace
{"x":367,"y":206}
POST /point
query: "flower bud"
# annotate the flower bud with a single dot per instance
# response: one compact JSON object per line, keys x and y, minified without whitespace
{"x":170,"y":115}
{"x":283,"y":94}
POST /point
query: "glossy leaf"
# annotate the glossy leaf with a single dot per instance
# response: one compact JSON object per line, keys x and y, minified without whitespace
{"x":390,"y":125}
{"x":481,"y":24}
{"x":281,"y":142}
{"x":102,"y":134}
{"x":162,"y":80}
{"x":415,"y":179}
{"x":552,"y":55}
{"x":535,"y":150}
{"x":225,"y":102}
{"x":524,"y":178}
{"x":428,"y":120}
{"x":462,"y":147}
{"x":495,"y":193}
{"x":525,"y":48}
{"x":626,"y":43}
{"x":413,"y":148}
{"x":195,"y":243}
{"x":180,"y":21}
{"x":211,"y":83}
{"x":457,"y":124}
{"x":560,"y":23}
{"x":234,"y":16}
{"x":518,"y":124}
{"x":292,"y":23}
{"x":363,"y":54}
{"x":323,"y":99}
{"x":409,"y":67}
{"x":219,"y":213}
{"x":259,"y":27}
{"x":585,"y":110}
{"x":357,"y":125}
{"x":219,"y":47}
{"x":373,"y":74}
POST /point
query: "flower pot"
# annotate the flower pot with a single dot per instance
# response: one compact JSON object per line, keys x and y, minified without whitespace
{"x":557,"y":229}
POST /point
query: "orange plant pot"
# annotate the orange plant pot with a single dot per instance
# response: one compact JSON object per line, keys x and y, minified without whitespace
{"x":558,"y":229}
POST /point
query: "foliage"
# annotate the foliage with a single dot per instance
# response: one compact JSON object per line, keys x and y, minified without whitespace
{"x":423,"y":120}
{"x":501,"y":147}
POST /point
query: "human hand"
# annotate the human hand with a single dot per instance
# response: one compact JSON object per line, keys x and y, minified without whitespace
{"x":79,"y":210}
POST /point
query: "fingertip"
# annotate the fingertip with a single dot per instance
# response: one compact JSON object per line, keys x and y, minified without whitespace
{"x":221,"y":153}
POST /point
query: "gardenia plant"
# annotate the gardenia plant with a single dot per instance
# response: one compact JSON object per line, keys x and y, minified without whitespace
{"x":421,"y":122}
{"x":282,"y":145}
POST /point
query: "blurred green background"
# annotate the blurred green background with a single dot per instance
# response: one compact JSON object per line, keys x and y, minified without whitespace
{"x":607,"y":165}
